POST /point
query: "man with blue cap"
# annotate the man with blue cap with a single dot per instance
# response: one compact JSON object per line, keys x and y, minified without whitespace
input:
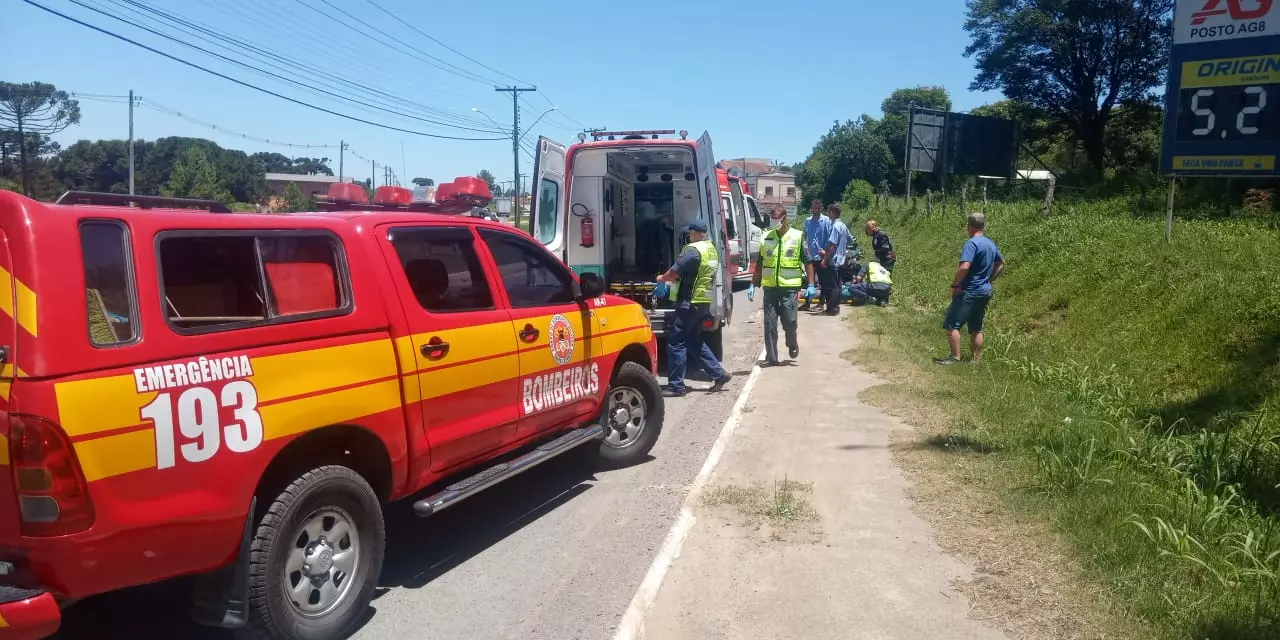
{"x":691,"y":278}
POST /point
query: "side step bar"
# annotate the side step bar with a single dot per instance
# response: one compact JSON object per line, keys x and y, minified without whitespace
{"x":490,"y":476}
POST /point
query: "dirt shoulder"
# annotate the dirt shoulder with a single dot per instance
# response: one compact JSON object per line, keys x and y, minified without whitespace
{"x":806,"y":529}
{"x":1026,"y":580}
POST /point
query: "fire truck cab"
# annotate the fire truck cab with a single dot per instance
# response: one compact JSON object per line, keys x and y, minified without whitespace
{"x":617,"y":206}
{"x":737,"y":202}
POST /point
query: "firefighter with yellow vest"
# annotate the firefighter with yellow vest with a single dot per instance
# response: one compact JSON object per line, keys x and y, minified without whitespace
{"x":690,"y":279}
{"x":780,"y":270}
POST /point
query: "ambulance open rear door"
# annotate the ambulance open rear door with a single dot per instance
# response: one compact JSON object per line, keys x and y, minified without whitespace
{"x":547,"y":222}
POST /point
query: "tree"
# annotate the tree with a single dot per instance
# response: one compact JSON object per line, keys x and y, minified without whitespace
{"x":489,"y":180}
{"x":311,"y":166}
{"x":848,"y":151}
{"x":859,"y":195}
{"x":424,"y":182}
{"x":292,"y":199}
{"x":35,"y":108}
{"x":195,"y":176}
{"x":1074,"y":59}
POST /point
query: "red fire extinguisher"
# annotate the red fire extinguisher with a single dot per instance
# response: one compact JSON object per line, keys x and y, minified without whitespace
{"x":587,"y":224}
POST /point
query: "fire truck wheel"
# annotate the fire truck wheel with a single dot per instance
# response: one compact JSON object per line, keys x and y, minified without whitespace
{"x":715,"y":340}
{"x":315,"y":558}
{"x":632,"y":416}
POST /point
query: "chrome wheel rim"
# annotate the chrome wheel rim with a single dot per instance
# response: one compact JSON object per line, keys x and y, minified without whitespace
{"x":625,"y":414}
{"x":323,"y":560}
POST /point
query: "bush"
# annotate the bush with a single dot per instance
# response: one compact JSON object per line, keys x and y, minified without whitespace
{"x":858,"y":195}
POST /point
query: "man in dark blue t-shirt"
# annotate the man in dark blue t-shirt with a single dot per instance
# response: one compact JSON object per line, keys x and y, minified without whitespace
{"x":980,"y":264}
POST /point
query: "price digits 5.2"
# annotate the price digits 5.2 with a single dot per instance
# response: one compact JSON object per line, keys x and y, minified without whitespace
{"x":1246,"y":119}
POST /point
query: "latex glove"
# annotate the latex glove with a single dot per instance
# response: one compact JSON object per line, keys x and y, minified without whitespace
{"x":661,"y":290}
{"x":810,"y":292}
{"x":751,"y":292}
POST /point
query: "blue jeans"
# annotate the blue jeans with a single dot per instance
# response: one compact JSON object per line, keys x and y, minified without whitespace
{"x":683,"y":336}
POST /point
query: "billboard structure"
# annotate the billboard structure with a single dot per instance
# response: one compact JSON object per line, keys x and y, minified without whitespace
{"x":960,"y":143}
{"x":1222,"y":97}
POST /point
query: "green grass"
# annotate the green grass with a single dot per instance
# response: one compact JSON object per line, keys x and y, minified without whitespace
{"x":1128,"y":394}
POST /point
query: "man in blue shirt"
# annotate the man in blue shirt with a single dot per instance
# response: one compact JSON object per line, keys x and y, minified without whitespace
{"x":837,"y":245}
{"x":980,"y":264}
{"x":817,"y":230}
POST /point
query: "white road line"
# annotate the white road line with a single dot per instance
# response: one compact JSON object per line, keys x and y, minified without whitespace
{"x":632,"y":625}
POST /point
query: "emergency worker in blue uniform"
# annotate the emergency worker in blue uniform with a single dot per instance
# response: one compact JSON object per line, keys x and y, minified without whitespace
{"x":691,"y":279}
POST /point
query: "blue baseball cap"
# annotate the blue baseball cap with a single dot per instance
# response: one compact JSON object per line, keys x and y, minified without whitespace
{"x":697,"y":225}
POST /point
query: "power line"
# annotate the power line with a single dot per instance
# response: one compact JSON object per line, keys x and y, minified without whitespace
{"x":433,"y":39}
{"x":267,"y":73}
{"x":237,"y":44}
{"x":154,"y":106}
{"x":244,"y":83}
{"x":462,"y":73}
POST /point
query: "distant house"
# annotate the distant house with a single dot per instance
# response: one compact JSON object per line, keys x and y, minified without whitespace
{"x":309,"y":184}
{"x":769,"y":185}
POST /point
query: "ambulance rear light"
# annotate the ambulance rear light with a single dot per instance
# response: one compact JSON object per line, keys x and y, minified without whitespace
{"x":393,"y":196}
{"x":348,"y":192}
{"x":708,"y":324}
{"x":53,"y":496}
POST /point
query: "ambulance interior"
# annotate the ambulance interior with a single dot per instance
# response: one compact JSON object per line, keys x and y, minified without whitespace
{"x":642,"y":198}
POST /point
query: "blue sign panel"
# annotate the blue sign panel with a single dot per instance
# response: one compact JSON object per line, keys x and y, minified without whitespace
{"x":1222,"y":99}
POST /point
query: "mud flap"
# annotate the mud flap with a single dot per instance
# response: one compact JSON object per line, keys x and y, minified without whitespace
{"x":222,"y":596}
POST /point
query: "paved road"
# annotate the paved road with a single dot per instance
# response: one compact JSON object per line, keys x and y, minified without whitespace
{"x":555,"y":553}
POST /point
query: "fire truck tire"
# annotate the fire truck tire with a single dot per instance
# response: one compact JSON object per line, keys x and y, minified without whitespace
{"x":715,"y":340}
{"x":315,"y":558}
{"x":632,"y":416}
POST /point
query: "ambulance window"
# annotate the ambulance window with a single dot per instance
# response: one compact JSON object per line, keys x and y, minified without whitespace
{"x":443,"y":269}
{"x":531,"y":276}
{"x":108,"y":281}
{"x":756,"y":218}
{"x":548,"y":211}
{"x":728,"y":210}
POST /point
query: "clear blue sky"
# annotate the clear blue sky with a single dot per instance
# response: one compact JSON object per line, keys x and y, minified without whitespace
{"x":655,"y":64}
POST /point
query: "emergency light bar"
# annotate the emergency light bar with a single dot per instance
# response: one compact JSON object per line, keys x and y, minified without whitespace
{"x":652,"y":133}
{"x":458,"y":196}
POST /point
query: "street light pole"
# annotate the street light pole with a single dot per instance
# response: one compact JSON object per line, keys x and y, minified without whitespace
{"x":515,"y":141}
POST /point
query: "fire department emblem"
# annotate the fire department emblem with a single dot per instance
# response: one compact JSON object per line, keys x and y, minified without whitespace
{"x":562,"y":341}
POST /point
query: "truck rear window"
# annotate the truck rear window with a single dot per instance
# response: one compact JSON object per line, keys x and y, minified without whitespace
{"x":108,"y":280}
{"x":226,"y":281}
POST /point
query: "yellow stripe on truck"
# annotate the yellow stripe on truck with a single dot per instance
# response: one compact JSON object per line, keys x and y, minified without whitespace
{"x":4,"y":449}
{"x":113,"y":455}
{"x":94,"y":405}
{"x":25,"y":299}
{"x":3,"y":624}
{"x":303,"y":414}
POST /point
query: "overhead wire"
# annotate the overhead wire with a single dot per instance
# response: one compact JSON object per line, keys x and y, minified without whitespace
{"x":433,"y":39}
{"x":161,"y":16}
{"x":155,"y":106}
{"x":426,"y":57}
{"x":247,"y":66}
{"x":243,"y":83}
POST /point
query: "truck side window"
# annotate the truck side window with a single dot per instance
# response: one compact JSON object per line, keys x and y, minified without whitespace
{"x":443,"y":269}
{"x":531,"y":276}
{"x":728,"y":210}
{"x":214,"y":280}
{"x":548,"y":211}
{"x":108,"y":281}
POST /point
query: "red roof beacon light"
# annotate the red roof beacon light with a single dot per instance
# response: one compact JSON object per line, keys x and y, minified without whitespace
{"x":462,"y":194}
{"x":348,"y":193}
{"x":393,"y":196}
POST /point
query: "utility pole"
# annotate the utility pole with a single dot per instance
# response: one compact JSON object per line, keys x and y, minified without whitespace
{"x":131,"y":103}
{"x":515,"y":143}
{"x":373,"y":175}
{"x":592,"y":131}
{"x":342,"y":147}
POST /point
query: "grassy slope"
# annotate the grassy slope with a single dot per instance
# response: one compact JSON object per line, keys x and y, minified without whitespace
{"x":1128,"y":395}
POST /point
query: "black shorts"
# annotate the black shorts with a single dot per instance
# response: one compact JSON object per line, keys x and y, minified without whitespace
{"x":966,"y":309}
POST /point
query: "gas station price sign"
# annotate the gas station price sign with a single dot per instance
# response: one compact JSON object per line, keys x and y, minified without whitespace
{"x":1222,"y":99}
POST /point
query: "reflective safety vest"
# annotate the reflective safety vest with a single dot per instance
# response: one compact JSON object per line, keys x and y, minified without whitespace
{"x":877,"y":274}
{"x":780,"y":264}
{"x":709,"y":259}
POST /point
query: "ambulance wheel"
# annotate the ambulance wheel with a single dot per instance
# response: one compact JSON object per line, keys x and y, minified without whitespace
{"x":315,"y":558}
{"x":715,"y":340}
{"x":632,"y":416}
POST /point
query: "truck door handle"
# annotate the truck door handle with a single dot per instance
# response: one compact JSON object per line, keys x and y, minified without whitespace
{"x":435,"y":348}
{"x":529,"y":333}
